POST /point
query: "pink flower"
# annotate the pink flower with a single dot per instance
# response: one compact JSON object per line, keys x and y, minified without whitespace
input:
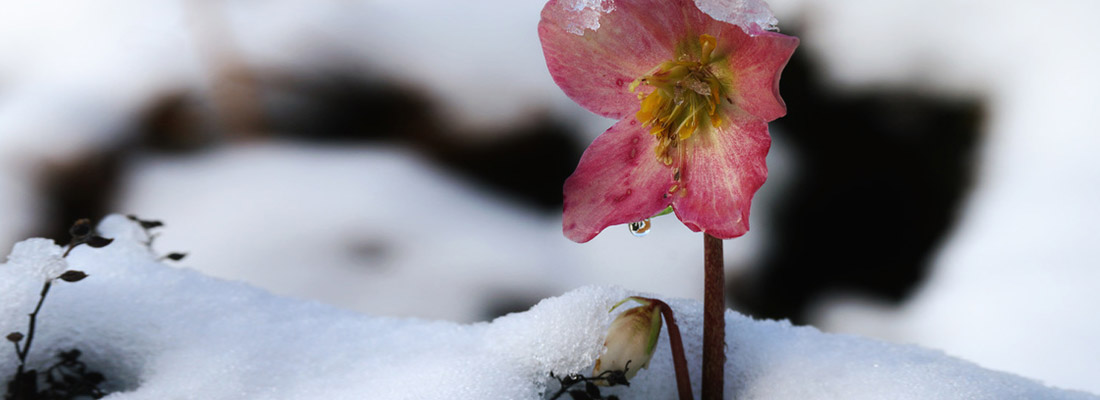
{"x":693,"y":96}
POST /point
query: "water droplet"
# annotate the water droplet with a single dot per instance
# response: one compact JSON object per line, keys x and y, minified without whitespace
{"x":640,"y":228}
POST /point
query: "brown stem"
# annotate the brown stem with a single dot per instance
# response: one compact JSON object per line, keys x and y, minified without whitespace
{"x":683,"y":379}
{"x":714,"y":319}
{"x":68,"y":250}
{"x":30,"y":328}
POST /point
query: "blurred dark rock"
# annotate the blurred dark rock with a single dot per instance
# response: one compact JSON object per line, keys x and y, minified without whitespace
{"x":528,"y":162}
{"x":173,"y":123}
{"x":338,"y":107}
{"x":80,"y":188}
{"x":881,"y":175}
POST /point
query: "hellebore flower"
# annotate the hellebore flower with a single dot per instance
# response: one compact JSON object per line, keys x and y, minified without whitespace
{"x":631,"y":339}
{"x":693,"y":96}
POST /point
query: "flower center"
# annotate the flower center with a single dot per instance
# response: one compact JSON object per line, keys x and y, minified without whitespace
{"x":686,"y":96}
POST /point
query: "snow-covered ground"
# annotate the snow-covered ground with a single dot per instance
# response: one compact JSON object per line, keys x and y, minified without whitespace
{"x":156,"y":332}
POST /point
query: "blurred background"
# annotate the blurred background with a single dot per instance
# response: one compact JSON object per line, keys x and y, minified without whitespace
{"x":935,"y":181}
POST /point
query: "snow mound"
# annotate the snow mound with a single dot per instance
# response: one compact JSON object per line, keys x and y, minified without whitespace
{"x":161,"y":332}
{"x":42,"y":256}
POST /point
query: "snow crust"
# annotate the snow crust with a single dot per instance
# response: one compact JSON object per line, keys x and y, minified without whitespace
{"x":42,"y":256}
{"x":162,"y":332}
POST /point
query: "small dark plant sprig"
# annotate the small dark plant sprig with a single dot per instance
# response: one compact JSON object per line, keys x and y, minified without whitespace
{"x":24,"y":386}
{"x":591,"y":389}
{"x":148,"y":225}
{"x":82,"y":232}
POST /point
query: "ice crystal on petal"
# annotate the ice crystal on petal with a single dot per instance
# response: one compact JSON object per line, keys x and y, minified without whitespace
{"x":586,"y":14}
{"x":753,"y":16}
{"x":42,"y":255}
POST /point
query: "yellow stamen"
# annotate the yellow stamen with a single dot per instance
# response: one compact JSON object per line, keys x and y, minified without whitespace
{"x":709,"y":43}
{"x":686,"y":95}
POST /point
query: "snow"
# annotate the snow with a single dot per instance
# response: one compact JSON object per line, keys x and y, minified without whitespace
{"x":373,"y":225}
{"x":41,"y":255}
{"x":586,"y":14}
{"x":753,"y":16}
{"x":74,"y":73}
{"x":156,"y":331}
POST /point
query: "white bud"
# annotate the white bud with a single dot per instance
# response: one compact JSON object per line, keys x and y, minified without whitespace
{"x":632,"y":338}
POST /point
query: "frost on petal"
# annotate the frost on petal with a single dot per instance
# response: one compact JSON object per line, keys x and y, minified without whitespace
{"x":753,"y":16}
{"x":617,"y":181}
{"x":41,"y":255}
{"x":585,"y":14}
{"x":723,"y":174}
{"x":595,"y":69}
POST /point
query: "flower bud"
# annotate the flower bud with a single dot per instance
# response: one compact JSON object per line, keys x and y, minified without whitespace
{"x":631,"y":339}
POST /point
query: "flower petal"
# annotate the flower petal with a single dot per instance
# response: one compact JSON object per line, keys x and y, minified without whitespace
{"x":725,"y":169}
{"x":595,"y":68}
{"x":617,"y":181}
{"x":757,"y":62}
